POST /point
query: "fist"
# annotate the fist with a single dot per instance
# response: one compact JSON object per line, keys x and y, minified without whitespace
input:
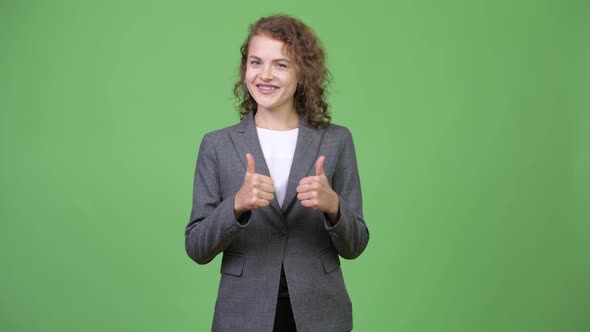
{"x":315,"y":192}
{"x":256,"y":191}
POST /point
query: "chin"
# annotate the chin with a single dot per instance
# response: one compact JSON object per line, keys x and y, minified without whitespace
{"x":267,"y":105}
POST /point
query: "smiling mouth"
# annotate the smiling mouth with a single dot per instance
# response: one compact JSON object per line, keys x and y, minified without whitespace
{"x":266,"y":88}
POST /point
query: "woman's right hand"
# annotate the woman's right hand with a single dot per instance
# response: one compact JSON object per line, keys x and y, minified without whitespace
{"x":256,"y":191}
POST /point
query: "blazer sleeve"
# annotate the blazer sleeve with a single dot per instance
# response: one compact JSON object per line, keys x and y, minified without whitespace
{"x":212,"y":225}
{"x":350,"y":234}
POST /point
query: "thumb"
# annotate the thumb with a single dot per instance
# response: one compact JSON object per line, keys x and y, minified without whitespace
{"x":251,"y":164}
{"x":319,"y":166}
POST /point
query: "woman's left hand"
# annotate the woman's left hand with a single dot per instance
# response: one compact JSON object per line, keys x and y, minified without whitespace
{"x":315,"y":192}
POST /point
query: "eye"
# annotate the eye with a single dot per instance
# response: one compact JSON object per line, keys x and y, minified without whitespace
{"x":282,"y":65}
{"x":255,"y":62}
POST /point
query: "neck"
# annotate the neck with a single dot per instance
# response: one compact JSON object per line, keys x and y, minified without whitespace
{"x":276,"y":120}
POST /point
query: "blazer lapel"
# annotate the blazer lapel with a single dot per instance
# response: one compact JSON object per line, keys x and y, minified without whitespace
{"x":246,"y":141}
{"x":306,"y":154}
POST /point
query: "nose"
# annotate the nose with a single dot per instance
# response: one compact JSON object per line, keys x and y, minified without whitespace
{"x":266,"y":73}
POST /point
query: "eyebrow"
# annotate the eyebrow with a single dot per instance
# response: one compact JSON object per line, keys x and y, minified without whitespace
{"x":257,"y":58}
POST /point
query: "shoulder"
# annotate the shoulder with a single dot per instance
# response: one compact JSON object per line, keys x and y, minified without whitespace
{"x":340,"y":138}
{"x":221,"y":134}
{"x":337,"y":132}
{"x":216,"y":141}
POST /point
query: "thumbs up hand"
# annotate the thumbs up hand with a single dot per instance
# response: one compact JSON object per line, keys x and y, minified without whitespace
{"x":315,"y":192}
{"x":256,"y":191}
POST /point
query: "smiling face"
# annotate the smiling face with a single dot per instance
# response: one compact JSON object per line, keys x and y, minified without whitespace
{"x":271,"y":76}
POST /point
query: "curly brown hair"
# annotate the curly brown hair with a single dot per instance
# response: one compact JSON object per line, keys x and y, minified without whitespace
{"x":302,"y":45}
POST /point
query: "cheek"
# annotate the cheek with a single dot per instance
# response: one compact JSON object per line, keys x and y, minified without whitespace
{"x":292,"y":87}
{"x":293,"y":82}
{"x":249,"y":77}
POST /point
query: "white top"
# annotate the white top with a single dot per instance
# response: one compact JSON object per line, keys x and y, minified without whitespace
{"x":278,"y":147}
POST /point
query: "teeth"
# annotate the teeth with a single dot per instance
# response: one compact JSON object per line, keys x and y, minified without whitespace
{"x":267,"y":88}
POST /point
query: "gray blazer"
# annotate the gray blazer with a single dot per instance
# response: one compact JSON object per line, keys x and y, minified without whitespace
{"x":300,"y":238}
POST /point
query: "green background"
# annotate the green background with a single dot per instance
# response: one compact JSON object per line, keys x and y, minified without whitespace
{"x":470,"y":120}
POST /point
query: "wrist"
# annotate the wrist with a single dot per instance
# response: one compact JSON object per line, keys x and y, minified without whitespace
{"x":238,"y":208}
{"x":333,"y":213}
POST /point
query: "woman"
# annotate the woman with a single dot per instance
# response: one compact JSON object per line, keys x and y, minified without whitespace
{"x":279,"y":193}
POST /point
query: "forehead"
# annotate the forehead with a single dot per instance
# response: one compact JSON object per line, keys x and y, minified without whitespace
{"x":265,"y":47}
